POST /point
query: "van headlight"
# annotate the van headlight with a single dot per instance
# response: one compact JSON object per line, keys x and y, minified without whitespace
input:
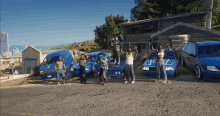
{"x":212,"y":68}
{"x":86,"y":69}
{"x":71,"y":69}
{"x":41,"y":72}
{"x":119,"y":73}
{"x":145,"y":68}
{"x":116,"y":73}
{"x":170,"y":68}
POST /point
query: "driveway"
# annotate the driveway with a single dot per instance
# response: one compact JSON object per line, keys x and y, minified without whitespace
{"x":185,"y":96}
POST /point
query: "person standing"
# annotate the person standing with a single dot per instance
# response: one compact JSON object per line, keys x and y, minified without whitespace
{"x":129,"y":70}
{"x":60,"y":70}
{"x":103,"y":62}
{"x":160,"y":63}
{"x":82,"y":64}
{"x":116,"y":50}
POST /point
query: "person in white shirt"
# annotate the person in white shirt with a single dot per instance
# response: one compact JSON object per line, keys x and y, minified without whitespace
{"x":160,"y":63}
{"x":129,"y":70}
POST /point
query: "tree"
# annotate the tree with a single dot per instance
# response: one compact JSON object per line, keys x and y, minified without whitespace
{"x":107,"y":30}
{"x":148,"y":9}
{"x":101,"y":36}
{"x":216,"y":13}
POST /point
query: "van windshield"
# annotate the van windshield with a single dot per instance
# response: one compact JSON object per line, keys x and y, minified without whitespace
{"x":51,"y":60}
{"x":167,"y":55}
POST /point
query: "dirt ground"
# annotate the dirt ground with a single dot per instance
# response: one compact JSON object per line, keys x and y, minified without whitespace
{"x":185,"y":96}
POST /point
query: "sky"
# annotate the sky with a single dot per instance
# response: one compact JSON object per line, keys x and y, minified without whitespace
{"x":55,"y":22}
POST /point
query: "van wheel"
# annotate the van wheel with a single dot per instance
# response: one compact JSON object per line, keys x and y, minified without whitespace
{"x":182,"y":62}
{"x":198,"y":72}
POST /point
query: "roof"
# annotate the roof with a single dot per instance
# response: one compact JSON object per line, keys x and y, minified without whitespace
{"x":94,"y":53}
{"x":215,"y":32}
{"x":207,"y":43}
{"x":31,"y":47}
{"x":155,"y":19}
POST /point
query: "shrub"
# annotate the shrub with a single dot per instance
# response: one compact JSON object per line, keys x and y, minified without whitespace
{"x":81,"y":49}
{"x":36,"y":71}
{"x":93,"y":48}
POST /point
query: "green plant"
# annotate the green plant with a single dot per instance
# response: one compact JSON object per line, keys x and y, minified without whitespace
{"x":81,"y":49}
{"x":93,"y":48}
{"x":36,"y":71}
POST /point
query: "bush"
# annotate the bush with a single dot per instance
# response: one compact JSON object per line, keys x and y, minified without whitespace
{"x":36,"y":71}
{"x":81,"y":49}
{"x":93,"y":48}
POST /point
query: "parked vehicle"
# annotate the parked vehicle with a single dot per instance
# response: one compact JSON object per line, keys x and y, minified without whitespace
{"x":47,"y":69}
{"x":170,"y":62}
{"x":116,"y":70}
{"x":91,"y":65}
{"x":203,"y":58}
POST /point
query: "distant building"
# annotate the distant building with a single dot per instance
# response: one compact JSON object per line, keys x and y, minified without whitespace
{"x":4,"y":46}
{"x":16,"y":52}
{"x":6,"y":55}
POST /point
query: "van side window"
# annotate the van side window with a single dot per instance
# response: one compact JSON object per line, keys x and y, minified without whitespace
{"x":188,"y":49}
{"x":184,"y":47}
{"x":193,"y":50}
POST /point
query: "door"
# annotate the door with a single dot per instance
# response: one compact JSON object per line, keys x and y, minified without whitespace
{"x":29,"y":65}
{"x":192,"y":61}
{"x":139,"y":48}
{"x":186,"y":54}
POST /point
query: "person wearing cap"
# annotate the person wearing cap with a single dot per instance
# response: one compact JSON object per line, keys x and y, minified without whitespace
{"x":129,"y":70}
{"x":60,"y":69}
{"x":82,"y":64}
{"x":103,"y":62}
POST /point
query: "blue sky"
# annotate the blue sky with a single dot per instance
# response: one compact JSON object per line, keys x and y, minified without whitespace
{"x":54,"y":22}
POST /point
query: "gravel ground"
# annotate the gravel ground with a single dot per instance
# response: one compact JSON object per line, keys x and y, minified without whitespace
{"x":185,"y":96}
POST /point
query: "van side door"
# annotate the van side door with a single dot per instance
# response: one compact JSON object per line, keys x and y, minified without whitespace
{"x":192,"y":57}
{"x":186,"y":54}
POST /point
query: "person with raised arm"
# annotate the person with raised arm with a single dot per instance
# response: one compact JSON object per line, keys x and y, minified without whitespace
{"x":129,"y":70}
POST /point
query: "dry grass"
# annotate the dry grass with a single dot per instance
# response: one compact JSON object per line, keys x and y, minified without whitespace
{"x":80,"y":45}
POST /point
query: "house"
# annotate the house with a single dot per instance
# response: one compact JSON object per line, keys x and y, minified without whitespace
{"x":176,"y":30}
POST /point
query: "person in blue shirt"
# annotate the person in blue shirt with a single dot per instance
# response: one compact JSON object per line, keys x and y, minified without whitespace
{"x":103,"y":63}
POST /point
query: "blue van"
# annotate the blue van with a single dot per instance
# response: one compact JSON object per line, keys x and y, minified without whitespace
{"x":203,"y":58}
{"x":47,"y":69}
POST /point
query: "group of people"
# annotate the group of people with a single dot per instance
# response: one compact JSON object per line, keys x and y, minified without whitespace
{"x":103,"y":63}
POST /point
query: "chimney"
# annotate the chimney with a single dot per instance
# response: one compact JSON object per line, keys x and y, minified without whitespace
{"x":207,"y":6}
{"x":126,"y":20}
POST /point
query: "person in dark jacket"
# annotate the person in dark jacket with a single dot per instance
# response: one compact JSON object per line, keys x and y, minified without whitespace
{"x":82,"y":64}
{"x":103,"y":62}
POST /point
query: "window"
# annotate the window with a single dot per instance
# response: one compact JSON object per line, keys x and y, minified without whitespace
{"x":184,"y":47}
{"x":188,"y":49}
{"x":193,"y":50}
{"x":178,"y":30}
{"x":129,"y":31}
{"x":144,"y":46}
{"x":169,"y":55}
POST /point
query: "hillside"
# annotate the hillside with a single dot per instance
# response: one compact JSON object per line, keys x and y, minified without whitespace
{"x":88,"y":45}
